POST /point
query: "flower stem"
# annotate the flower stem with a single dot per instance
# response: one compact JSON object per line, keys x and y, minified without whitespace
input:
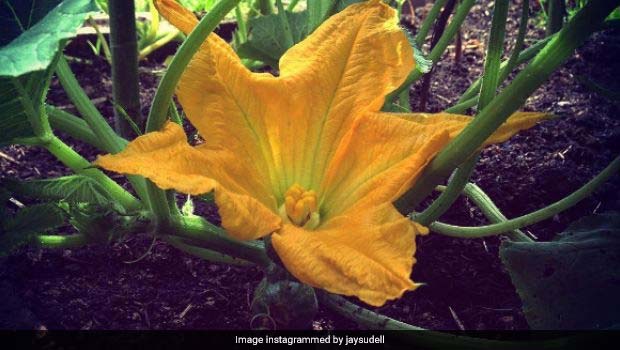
{"x":531,"y":218}
{"x":205,"y":254}
{"x":165,"y":90}
{"x":215,"y":238}
{"x":508,"y":101}
{"x":160,"y":106}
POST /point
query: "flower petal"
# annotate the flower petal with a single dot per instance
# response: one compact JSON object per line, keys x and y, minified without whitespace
{"x":368,"y":254}
{"x":177,"y":15}
{"x":455,"y":123}
{"x":246,"y":207}
{"x":384,"y":153}
{"x":343,"y":69}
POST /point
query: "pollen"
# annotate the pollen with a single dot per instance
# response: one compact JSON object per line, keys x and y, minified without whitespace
{"x":300,"y":207}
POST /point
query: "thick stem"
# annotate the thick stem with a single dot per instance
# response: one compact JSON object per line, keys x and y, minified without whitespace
{"x":205,"y":254}
{"x":79,"y":165}
{"x":489,"y":85}
{"x":124,"y":45}
{"x":215,"y":238}
{"x":165,"y":90}
{"x":74,"y":126}
{"x":531,"y":218}
{"x":588,"y":20}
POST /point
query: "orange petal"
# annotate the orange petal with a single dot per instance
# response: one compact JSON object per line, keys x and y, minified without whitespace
{"x":343,"y":69}
{"x":384,"y":153}
{"x":177,"y":15}
{"x":368,"y":254}
{"x":246,"y":207}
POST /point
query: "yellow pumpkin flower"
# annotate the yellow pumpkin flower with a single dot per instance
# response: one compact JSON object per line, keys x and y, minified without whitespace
{"x":307,"y":156}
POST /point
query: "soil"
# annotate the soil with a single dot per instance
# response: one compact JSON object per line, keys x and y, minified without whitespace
{"x":95,"y":288}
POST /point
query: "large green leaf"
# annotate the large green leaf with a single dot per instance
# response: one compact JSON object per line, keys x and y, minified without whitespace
{"x":33,"y":29}
{"x":572,"y":282}
{"x":26,"y":224}
{"x":71,"y":189}
{"x":266,"y":41}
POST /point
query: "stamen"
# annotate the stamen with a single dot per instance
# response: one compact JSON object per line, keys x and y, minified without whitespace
{"x":300,"y":207}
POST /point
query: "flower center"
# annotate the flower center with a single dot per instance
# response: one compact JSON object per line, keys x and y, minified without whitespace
{"x":300,"y":207}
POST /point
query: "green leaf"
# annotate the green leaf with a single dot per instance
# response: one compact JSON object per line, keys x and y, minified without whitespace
{"x":14,"y":113}
{"x":572,"y":282}
{"x":318,"y":12}
{"x":26,"y":224}
{"x":267,"y":42}
{"x":33,"y":29}
{"x":72,"y":189}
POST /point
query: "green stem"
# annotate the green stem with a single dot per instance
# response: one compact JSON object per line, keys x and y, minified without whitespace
{"x":490,"y":210}
{"x":518,"y":56}
{"x":286,"y":27}
{"x":165,"y":90}
{"x":87,"y":109}
{"x":264,"y":7}
{"x":508,"y":101}
{"x":74,"y":126}
{"x":215,"y":238}
{"x":79,"y":165}
{"x":205,"y":254}
{"x":513,"y":61}
{"x":428,"y":22}
{"x":531,"y":218}
{"x":110,"y":141}
{"x":447,"y":197}
{"x":490,"y":78}
{"x":67,"y":241}
{"x":124,"y":45}
{"x":438,"y":50}
{"x":489,"y":86}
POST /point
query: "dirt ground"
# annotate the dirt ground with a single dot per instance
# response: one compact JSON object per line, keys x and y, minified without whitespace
{"x":95,"y":288}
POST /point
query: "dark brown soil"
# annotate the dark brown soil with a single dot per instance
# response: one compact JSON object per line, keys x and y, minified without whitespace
{"x":94,"y":287}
